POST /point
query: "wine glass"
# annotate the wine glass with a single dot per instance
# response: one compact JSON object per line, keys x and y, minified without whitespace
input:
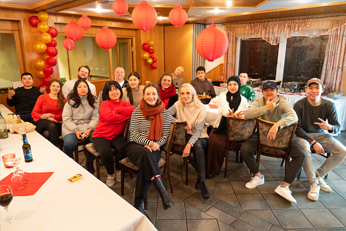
{"x":17,"y":173}
{"x":21,"y":130}
{"x":6,"y":196}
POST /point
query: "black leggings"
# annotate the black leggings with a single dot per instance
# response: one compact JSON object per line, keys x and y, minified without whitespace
{"x":49,"y":130}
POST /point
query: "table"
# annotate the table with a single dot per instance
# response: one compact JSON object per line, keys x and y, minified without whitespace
{"x":87,"y":204}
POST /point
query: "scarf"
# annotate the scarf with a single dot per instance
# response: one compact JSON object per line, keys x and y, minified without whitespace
{"x":155,"y":115}
{"x":233,"y":100}
{"x":167,"y":94}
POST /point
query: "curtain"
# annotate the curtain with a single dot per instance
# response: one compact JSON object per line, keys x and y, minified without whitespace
{"x":230,"y":55}
{"x":334,"y":64}
{"x":197,"y":60}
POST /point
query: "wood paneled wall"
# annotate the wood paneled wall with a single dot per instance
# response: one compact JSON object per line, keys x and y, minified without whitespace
{"x":178,"y":49}
{"x":214,"y":74}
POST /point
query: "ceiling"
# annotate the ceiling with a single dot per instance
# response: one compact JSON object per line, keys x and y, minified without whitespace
{"x":199,"y":11}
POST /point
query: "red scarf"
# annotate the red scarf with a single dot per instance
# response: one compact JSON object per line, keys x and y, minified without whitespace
{"x":155,"y":115}
{"x":167,"y":94}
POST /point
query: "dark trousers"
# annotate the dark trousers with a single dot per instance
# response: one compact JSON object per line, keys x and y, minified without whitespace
{"x":197,"y":157}
{"x":147,"y":162}
{"x":297,"y":154}
{"x":216,"y":152}
{"x":104,"y":147}
{"x":49,"y":130}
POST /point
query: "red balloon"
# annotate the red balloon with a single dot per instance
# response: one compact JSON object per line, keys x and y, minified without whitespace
{"x":120,"y":7}
{"x":52,"y":43}
{"x":145,"y":46}
{"x":46,"y":80}
{"x":48,"y":70}
{"x":154,"y":60}
{"x":34,"y":21}
{"x":106,"y":38}
{"x":151,"y":51}
{"x":73,"y":31}
{"x":51,"y":61}
{"x":84,"y":22}
{"x":52,"y":51}
{"x":152,"y":56}
{"x":52,"y":31}
{"x":68,"y":44}
{"x":144,"y":16}
{"x":153,"y":66}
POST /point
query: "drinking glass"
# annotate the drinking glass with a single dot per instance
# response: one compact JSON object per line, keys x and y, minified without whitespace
{"x":17,"y":173}
{"x":21,"y":130}
{"x":6,"y":196}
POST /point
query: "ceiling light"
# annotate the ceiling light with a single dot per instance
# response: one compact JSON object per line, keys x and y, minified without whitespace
{"x":98,"y":9}
{"x":216,"y":10}
{"x":229,"y":3}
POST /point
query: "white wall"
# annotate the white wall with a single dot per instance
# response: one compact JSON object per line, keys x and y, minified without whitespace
{"x":211,"y":65}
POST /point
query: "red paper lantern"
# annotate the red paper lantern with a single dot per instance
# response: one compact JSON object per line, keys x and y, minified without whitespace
{"x":52,"y":51}
{"x":68,"y":44}
{"x":151,"y":51}
{"x":106,"y":38}
{"x":34,"y":21}
{"x":120,"y":7}
{"x":144,"y":16}
{"x":48,"y":70}
{"x":52,"y":43}
{"x":145,"y":46}
{"x":153,"y":66}
{"x":177,"y":16}
{"x":73,"y":31}
{"x":84,"y":22}
{"x":211,"y":43}
{"x":51,"y":61}
{"x":46,"y":80}
{"x":52,"y":31}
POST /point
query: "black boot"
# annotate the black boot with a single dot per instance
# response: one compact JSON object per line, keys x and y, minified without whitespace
{"x":166,"y":200}
{"x":204,"y":190}
{"x":139,"y":206}
{"x":198,"y":184}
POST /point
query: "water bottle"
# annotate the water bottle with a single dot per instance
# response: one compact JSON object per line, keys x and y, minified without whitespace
{"x":3,"y":128}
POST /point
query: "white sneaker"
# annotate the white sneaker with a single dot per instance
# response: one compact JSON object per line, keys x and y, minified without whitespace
{"x":314,"y":192}
{"x":323,"y":185}
{"x":118,"y":176}
{"x":285,"y":193}
{"x":255,"y":181}
{"x":110,"y":181}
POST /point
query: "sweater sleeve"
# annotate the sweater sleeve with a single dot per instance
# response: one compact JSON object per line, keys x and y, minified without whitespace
{"x":223,"y":105}
{"x":333,"y":120}
{"x":94,"y":120}
{"x":243,"y":105}
{"x":67,"y":115}
{"x":198,"y":132}
{"x":255,"y":110}
{"x":172,"y":110}
{"x":110,"y":116}
{"x":127,"y":109}
{"x":166,"y":128}
{"x":12,"y":102}
{"x":300,"y":132}
{"x":134,"y":128}
{"x":58,"y":117}
{"x":290,"y":117}
{"x":37,"y":111}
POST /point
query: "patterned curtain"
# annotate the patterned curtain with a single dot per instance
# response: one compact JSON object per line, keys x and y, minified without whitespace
{"x":197,"y":60}
{"x":334,"y":65}
{"x":230,"y":55}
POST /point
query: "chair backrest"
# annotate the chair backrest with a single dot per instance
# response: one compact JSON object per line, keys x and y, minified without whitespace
{"x":239,"y":130}
{"x":177,"y":138}
{"x":126,"y":131}
{"x":283,"y":138}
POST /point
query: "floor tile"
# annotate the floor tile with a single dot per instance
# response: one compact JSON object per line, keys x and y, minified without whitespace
{"x":275,"y":228}
{"x":175,"y":212}
{"x":332,"y":229}
{"x":224,"y":227}
{"x":332,"y":200}
{"x":229,"y":199}
{"x":303,"y":202}
{"x":171,"y":225}
{"x":266,"y":215}
{"x":239,"y":188}
{"x":340,"y":214}
{"x":292,"y":219}
{"x":268,"y":186}
{"x":151,"y":210}
{"x":321,"y":218}
{"x":179,"y":194}
{"x":202,"y":225}
{"x":223,"y":187}
{"x":252,"y":201}
{"x":196,"y":214}
{"x":277,"y":202}
{"x":227,"y":208}
{"x":255,"y":221}
{"x":197,"y":203}
{"x":220,"y":215}
{"x":212,"y":200}
{"x":243,"y":226}
{"x":341,"y":172}
{"x":337,"y":185}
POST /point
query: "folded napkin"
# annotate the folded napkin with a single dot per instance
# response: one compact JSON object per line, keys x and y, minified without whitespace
{"x":31,"y":183}
{"x":213,"y":106}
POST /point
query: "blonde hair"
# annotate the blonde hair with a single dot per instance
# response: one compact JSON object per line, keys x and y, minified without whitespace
{"x":174,"y":75}
{"x":191,"y":89}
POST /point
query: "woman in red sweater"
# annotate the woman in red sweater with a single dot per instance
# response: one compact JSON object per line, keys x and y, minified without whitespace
{"x":108,"y":134}
{"x":47,"y":112}
{"x":167,"y":91}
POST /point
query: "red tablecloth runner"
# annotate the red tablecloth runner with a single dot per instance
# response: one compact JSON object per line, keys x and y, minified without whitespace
{"x":30,"y":184}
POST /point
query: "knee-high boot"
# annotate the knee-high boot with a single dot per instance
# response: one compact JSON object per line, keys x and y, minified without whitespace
{"x":166,"y":200}
{"x":138,"y":203}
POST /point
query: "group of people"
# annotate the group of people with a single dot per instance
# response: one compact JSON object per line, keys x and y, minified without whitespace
{"x":73,"y":111}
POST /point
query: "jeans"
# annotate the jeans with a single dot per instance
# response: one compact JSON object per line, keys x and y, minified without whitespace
{"x":330,"y":145}
{"x":296,"y":153}
{"x":71,"y":142}
{"x":197,"y":157}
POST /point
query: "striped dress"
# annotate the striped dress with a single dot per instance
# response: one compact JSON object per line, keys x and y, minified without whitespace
{"x":139,"y":128}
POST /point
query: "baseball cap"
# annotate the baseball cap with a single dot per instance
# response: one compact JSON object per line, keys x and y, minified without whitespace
{"x":269,"y":84}
{"x":314,"y":80}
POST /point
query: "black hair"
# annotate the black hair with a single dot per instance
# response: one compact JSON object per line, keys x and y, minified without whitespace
{"x":26,"y":73}
{"x":200,"y":68}
{"x":85,"y":66}
{"x":108,"y":87}
{"x":73,"y":97}
{"x":128,"y":88}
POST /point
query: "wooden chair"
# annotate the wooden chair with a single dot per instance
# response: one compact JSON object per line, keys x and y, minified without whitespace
{"x":238,"y":131}
{"x":280,"y":147}
{"x":76,"y":151}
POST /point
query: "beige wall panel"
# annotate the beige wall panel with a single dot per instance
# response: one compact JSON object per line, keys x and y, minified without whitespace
{"x":214,"y":74}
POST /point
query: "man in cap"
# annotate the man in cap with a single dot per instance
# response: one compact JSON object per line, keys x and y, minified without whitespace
{"x":274,"y":108}
{"x":317,"y":120}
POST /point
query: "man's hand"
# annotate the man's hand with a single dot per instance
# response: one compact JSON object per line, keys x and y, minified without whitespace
{"x":271,"y":104}
{"x":11,"y":93}
{"x":324,"y":125}
{"x":79,"y":135}
{"x":188,"y":127}
{"x":87,"y":133}
{"x":272,"y":131}
{"x":43,"y":90}
{"x":318,"y":148}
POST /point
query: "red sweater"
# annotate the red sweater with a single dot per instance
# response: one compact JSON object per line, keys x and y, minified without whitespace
{"x":45,"y":104}
{"x":113,"y":119}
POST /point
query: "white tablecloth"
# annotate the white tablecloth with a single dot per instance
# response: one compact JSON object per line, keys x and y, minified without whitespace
{"x":87,"y":204}
{"x":211,"y":116}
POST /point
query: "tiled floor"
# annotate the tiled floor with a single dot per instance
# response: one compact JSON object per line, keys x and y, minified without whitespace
{"x":233,"y":207}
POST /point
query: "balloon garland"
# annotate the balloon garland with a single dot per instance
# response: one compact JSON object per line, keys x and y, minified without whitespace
{"x":148,"y":54}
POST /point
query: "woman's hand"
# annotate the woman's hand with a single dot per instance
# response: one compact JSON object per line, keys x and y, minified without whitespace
{"x":87,"y":133}
{"x":230,"y":113}
{"x":187,"y":150}
{"x":79,"y":135}
{"x":52,"y":119}
{"x":188,"y":127}
{"x":154,"y":146}
{"x":239,"y":114}
{"x":146,"y":146}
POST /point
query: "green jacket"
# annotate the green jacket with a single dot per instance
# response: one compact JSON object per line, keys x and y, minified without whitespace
{"x":248,"y":92}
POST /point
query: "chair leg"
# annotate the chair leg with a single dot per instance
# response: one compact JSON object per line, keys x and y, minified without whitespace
{"x":76,"y":155}
{"x":226,"y":162}
{"x":98,"y":167}
{"x":122,"y":180}
{"x":169,"y":175}
{"x":241,"y":158}
{"x":186,"y":171}
{"x":145,"y":203}
{"x":282,"y":162}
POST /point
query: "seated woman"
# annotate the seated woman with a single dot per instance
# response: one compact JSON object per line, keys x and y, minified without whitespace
{"x":168,"y":94}
{"x":47,"y":112}
{"x":108,"y":134}
{"x":231,"y":104}
{"x":189,"y":108}
{"x":132,"y":93}
{"x":177,"y":79}
{"x":149,"y":130}
{"x":80,"y":117}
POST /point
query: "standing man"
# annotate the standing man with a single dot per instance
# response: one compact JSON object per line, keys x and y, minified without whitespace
{"x":119,"y":74}
{"x":274,"y":108}
{"x":314,"y":131}
{"x":246,"y":90}
{"x":201,"y":84}
{"x":24,"y":98}
{"x":83,"y":73}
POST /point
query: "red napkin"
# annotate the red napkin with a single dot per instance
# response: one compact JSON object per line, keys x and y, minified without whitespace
{"x":213,"y":106}
{"x":30,"y":184}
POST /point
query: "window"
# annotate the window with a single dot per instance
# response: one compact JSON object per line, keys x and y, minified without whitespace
{"x":122,"y":49}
